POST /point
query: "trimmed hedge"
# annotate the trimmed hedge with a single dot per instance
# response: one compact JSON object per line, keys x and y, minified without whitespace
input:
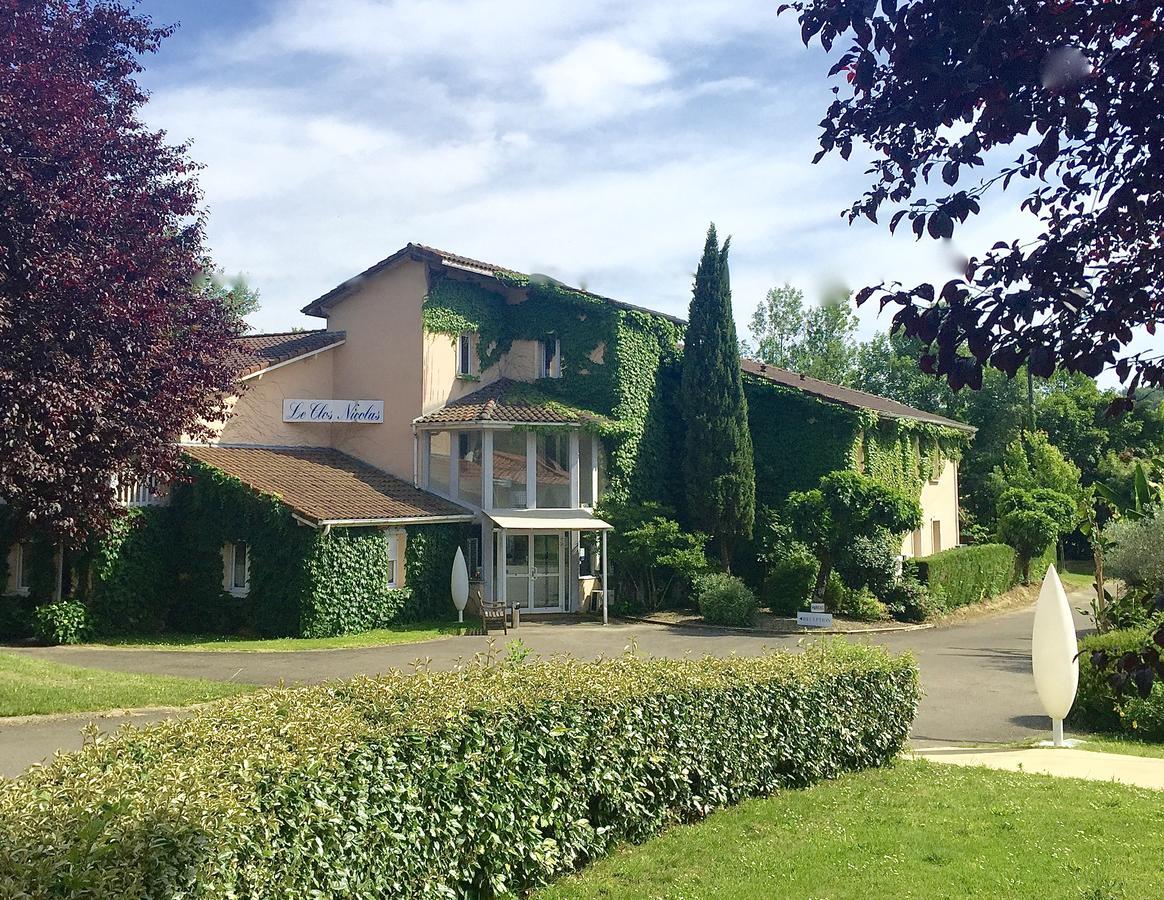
{"x":1096,"y":706}
{"x":479,"y":782}
{"x":965,"y":575}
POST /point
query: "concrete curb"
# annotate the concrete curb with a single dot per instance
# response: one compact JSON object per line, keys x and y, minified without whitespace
{"x":803,"y":632}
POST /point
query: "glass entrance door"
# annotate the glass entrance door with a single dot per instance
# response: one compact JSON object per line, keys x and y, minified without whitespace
{"x":533,"y":571}
{"x":546,"y":578}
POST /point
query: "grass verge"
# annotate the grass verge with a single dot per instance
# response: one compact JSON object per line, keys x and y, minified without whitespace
{"x":31,"y":686}
{"x":915,"y":830}
{"x":403,"y":634}
{"x":1127,"y":747}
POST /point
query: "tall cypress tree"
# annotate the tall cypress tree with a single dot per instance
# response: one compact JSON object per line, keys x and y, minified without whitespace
{"x":717,"y":466}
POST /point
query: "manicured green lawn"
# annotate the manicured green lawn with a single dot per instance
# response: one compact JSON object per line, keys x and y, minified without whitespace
{"x":1127,"y":747}
{"x":1073,"y":580}
{"x":403,"y":634}
{"x":31,"y":686}
{"x":916,"y":830}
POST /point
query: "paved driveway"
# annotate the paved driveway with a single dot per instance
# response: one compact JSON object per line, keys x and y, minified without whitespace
{"x":976,"y":675}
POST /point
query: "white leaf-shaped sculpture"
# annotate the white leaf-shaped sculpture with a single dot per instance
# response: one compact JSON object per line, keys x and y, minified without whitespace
{"x":1053,"y":652}
{"x":459,"y":584}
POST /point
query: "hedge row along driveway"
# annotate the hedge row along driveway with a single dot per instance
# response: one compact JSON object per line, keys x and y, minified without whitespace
{"x":478,"y":782}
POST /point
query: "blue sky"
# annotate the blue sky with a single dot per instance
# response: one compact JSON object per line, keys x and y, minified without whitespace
{"x":591,"y":142}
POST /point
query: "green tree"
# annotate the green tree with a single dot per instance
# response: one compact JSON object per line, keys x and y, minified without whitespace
{"x":818,"y":341}
{"x":235,"y":294}
{"x":651,"y":552}
{"x":719,"y":473}
{"x":1031,"y":462}
{"x":845,"y":507}
{"x":1030,"y":532}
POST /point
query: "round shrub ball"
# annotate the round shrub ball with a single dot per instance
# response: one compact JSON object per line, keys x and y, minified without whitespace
{"x":726,"y":600}
{"x":790,"y":581}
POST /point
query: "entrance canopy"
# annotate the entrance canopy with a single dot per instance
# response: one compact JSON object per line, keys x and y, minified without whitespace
{"x":548,"y":520}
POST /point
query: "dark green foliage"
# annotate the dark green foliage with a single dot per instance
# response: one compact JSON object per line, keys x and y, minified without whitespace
{"x":63,"y":622}
{"x":869,"y":561}
{"x":41,"y":559}
{"x":653,"y":558}
{"x":132,"y":573}
{"x":347,"y":570}
{"x":910,"y":601}
{"x":1097,"y":706}
{"x":784,"y":424}
{"x":789,"y":583}
{"x":725,"y":600}
{"x":965,"y":575}
{"x":1030,"y":532}
{"x":717,"y":462}
{"x":429,"y":567}
{"x":483,"y":782}
{"x":844,"y":507}
{"x":16,"y":617}
{"x":215,"y":509}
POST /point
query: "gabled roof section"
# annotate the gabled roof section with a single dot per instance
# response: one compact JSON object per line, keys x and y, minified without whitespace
{"x":505,"y":401}
{"x":323,"y":486}
{"x":454,"y":261}
{"x":834,"y":393}
{"x":255,"y":353}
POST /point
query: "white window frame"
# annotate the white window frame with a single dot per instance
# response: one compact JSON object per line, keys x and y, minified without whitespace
{"x":228,"y":558}
{"x":465,"y":353}
{"x":554,"y":369}
{"x":392,"y":543}
{"x":23,"y":586}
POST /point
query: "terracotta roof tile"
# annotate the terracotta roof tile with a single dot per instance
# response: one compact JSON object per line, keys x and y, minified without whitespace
{"x":255,"y":352}
{"x":324,"y":485}
{"x":502,"y":401}
{"x":851,"y":397}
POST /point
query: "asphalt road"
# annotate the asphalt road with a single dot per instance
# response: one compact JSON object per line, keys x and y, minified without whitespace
{"x":976,"y":675}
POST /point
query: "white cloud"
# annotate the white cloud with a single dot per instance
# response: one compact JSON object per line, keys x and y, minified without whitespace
{"x":600,"y":78}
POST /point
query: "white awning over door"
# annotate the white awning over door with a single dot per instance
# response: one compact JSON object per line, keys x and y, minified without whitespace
{"x":548,"y":520}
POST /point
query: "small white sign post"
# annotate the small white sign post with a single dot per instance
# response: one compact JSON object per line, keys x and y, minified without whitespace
{"x":816,"y":618}
{"x":1054,"y":653}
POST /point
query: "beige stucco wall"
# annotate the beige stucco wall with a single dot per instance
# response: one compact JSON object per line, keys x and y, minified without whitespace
{"x":382,"y":359}
{"x":441,"y":383}
{"x":257,"y":414}
{"x":939,"y":502}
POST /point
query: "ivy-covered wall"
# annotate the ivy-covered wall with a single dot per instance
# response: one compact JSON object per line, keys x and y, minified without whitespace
{"x":630,"y":388}
{"x":161,"y":568}
{"x":797,"y":439}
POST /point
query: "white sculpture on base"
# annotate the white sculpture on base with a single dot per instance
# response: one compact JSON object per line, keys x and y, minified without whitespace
{"x":1054,"y":653}
{"x":459,"y":584}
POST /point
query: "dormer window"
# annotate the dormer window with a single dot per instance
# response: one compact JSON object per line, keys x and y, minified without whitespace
{"x":465,"y":353}
{"x":550,"y":355}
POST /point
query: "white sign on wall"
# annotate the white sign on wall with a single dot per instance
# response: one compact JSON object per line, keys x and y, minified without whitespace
{"x":368,"y":412}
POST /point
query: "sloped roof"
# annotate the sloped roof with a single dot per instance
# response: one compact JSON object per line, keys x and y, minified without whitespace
{"x":436,"y":257}
{"x":834,"y":393}
{"x":254,"y":353}
{"x":324,"y":486}
{"x":503,"y":401}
